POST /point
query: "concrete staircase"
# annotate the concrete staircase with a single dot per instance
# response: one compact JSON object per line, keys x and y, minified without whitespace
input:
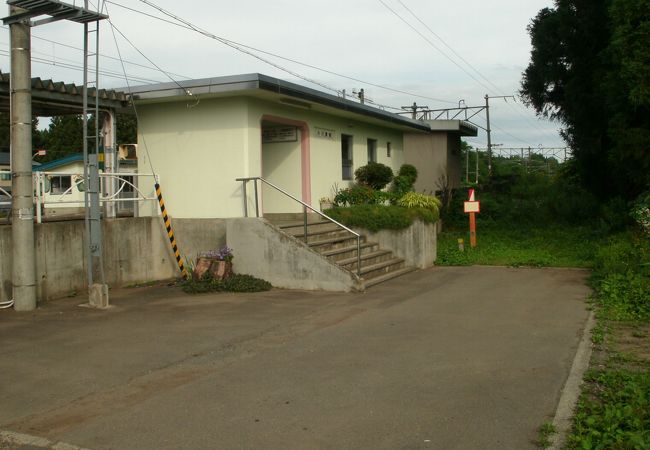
{"x":340,"y":247}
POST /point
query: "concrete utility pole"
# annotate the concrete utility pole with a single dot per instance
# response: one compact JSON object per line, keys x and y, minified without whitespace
{"x":22,"y":209}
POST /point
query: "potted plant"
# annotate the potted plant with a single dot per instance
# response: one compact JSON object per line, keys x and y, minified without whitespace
{"x":218,"y":263}
{"x":325,"y":203}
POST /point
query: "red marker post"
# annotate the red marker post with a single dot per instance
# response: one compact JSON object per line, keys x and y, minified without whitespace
{"x":472,"y":207}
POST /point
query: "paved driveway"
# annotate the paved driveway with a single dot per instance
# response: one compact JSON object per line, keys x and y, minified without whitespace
{"x":467,"y":358}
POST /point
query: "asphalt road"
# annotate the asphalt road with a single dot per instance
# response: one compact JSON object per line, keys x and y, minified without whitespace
{"x":445,"y":358}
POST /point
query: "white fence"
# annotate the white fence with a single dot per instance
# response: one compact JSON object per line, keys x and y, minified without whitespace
{"x":65,"y":191}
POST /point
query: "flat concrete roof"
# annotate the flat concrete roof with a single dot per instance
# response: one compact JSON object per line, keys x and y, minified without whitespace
{"x":270,"y":88}
{"x":458,"y":126}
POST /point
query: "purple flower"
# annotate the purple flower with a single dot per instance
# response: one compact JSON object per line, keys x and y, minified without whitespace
{"x":223,"y":254}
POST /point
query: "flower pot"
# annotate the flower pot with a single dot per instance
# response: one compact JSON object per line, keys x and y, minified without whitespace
{"x":220,"y":270}
{"x":202,"y":266}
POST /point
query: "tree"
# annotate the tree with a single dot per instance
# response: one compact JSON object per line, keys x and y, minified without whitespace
{"x":589,"y":69}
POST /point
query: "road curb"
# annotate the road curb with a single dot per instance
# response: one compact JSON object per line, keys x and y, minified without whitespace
{"x":11,"y":437}
{"x":571,"y":389}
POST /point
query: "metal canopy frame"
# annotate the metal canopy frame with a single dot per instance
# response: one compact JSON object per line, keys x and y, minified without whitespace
{"x":53,"y":8}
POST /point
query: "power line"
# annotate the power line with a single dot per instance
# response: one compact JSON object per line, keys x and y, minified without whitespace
{"x":103,"y":55}
{"x":78,"y":68}
{"x":396,"y":14}
{"x":135,"y":110}
{"x":536,"y":125}
{"x":187,"y":25}
{"x":114,"y":28}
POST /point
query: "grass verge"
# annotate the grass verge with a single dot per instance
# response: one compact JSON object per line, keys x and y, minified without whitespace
{"x":552,"y":246}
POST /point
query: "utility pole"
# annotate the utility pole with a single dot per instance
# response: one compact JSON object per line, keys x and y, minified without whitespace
{"x":22,"y":209}
{"x":489,"y":134}
{"x":23,"y":252}
{"x":488,"y":129}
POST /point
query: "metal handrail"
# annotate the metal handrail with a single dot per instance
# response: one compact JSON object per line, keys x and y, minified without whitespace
{"x":305,"y":206}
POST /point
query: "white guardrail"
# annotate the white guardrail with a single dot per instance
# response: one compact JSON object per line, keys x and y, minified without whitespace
{"x":67,"y":190}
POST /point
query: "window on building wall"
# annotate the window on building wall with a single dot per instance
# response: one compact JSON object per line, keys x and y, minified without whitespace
{"x":60,"y":184}
{"x":346,"y":156}
{"x":372,"y":150}
{"x":389,"y":149}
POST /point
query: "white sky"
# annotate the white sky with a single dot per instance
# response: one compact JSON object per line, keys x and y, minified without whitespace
{"x":357,"y":38}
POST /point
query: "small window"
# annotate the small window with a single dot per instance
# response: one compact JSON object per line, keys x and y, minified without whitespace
{"x":388,"y":149}
{"x":60,"y":184}
{"x":346,"y":156}
{"x":372,"y":150}
{"x":5,"y":176}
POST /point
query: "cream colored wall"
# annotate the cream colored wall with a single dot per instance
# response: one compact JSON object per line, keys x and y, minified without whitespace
{"x":198,"y":152}
{"x":325,"y":152}
{"x":428,"y":153}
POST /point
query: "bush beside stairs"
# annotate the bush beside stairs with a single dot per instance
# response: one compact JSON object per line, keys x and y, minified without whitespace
{"x":340,"y":247}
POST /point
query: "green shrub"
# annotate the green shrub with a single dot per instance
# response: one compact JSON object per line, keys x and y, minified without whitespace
{"x":417,"y":200}
{"x":374,"y":175}
{"x":409,"y":172}
{"x":235,"y":283}
{"x":404,"y":181}
{"x":359,"y":194}
{"x":381,"y":217}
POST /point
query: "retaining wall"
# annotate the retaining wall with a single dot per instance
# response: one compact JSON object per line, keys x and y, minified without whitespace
{"x":263,"y":251}
{"x":135,"y":250}
{"x":417,"y":244}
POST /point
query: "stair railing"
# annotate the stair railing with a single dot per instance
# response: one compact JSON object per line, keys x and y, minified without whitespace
{"x":305,"y":207}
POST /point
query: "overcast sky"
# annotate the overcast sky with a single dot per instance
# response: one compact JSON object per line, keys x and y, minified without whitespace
{"x":361,"y":39}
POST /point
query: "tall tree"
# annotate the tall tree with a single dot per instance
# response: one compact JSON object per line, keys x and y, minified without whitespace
{"x":589,"y":70}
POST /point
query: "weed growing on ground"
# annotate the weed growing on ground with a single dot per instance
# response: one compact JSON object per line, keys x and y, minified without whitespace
{"x":234,"y":283}
{"x":613,"y":411}
{"x":552,"y":246}
{"x":544,"y":434}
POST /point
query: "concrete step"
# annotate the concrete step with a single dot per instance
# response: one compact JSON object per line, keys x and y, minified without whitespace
{"x":367,"y":259}
{"x":388,"y":276}
{"x":319,"y":235}
{"x":288,"y":225}
{"x":335,"y":242}
{"x":339,"y":253}
{"x":381,"y":268}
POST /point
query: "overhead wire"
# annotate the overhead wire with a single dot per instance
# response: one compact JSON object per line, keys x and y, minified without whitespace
{"x":240,"y":48}
{"x":467,"y":63}
{"x":207,"y":34}
{"x":103,"y":55}
{"x":135,"y":109}
{"x":79,"y":68}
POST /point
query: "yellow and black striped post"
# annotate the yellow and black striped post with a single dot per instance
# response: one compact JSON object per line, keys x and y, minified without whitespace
{"x":170,"y":232}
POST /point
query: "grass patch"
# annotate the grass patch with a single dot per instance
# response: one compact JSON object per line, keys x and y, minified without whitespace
{"x":552,"y":246}
{"x":613,"y":411}
{"x":545,"y":433}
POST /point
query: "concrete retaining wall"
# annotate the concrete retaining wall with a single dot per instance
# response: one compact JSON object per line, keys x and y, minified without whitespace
{"x":135,"y":250}
{"x":417,"y":244}
{"x":263,"y":251}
